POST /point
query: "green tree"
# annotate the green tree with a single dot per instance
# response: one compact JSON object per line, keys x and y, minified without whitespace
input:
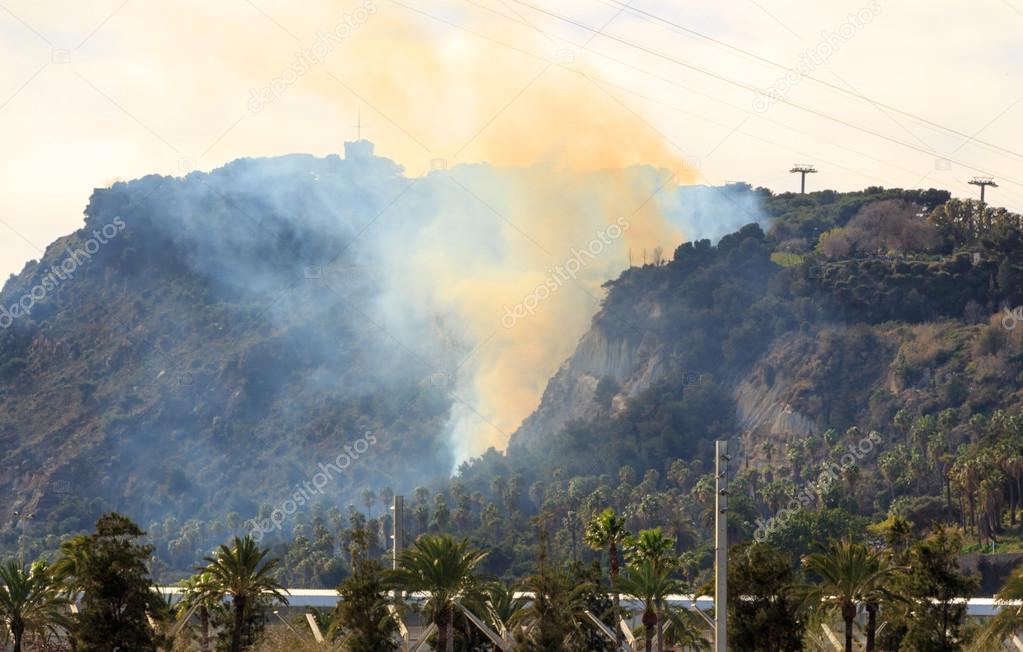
{"x":685,"y":629}
{"x":593,"y":597}
{"x":548,"y":621}
{"x":362,"y":610}
{"x":243,"y":572}
{"x":606,"y":531}
{"x":1009,"y":619}
{"x":202,"y":595}
{"x":938,"y":591}
{"x":118,"y":593}
{"x":850,"y":574}
{"x":651,"y":545}
{"x":30,"y":601}
{"x":501,"y":606}
{"x":70,"y":564}
{"x":555,"y":619}
{"x":650,"y":582}
{"x":1009,"y":280}
{"x":444,"y":568}
{"x":763,"y":602}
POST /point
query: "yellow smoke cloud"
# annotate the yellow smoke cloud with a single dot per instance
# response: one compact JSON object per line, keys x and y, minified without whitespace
{"x":571,"y":145}
{"x":430,"y":92}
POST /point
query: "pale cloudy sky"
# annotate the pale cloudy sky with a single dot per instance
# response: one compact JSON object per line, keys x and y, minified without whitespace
{"x":100,"y":90}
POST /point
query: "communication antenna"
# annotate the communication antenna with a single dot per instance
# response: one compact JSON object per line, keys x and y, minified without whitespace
{"x":983,"y":182}
{"x":803,"y":170}
{"x":358,"y":124}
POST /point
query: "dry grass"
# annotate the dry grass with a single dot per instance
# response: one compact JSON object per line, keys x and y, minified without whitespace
{"x":1012,"y":338}
{"x":927,"y":344}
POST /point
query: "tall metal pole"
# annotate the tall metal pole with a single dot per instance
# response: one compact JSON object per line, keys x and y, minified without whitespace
{"x":398,"y":528}
{"x":803,"y":170}
{"x":398,"y":534}
{"x":983,"y":182}
{"x":721,"y":547}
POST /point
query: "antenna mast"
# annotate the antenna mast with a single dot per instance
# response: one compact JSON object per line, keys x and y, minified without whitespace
{"x":983,"y":182}
{"x":803,"y":170}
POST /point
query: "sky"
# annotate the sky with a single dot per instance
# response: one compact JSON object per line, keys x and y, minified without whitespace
{"x":96,"y":91}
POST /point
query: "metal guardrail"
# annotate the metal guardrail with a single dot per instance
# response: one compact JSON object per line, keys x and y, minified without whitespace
{"x":976,"y":607}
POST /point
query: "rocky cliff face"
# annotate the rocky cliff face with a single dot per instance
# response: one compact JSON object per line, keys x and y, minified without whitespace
{"x":633,"y":363}
{"x":762,"y":394}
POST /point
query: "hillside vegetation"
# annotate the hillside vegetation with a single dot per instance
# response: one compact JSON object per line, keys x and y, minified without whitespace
{"x":187,"y":376}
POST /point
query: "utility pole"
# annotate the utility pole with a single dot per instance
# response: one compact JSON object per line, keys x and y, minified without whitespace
{"x":721,"y":547}
{"x":398,"y":534}
{"x":803,"y":170}
{"x":983,"y":182}
{"x":398,"y":528}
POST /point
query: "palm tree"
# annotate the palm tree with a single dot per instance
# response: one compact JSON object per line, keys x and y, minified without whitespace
{"x":30,"y":600}
{"x":67,"y":571}
{"x":683,"y":628}
{"x":501,"y":606}
{"x":606,"y":531}
{"x":202,"y":594}
{"x":242,"y":572}
{"x":444,"y":568}
{"x":68,"y":566}
{"x":651,"y":545}
{"x":651,"y":583}
{"x":553,"y":618}
{"x":1009,"y":619}
{"x":851,"y":573}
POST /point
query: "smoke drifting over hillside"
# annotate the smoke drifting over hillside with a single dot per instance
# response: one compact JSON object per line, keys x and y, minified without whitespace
{"x":434,"y":264}
{"x":450,"y":254}
{"x":307,"y":294}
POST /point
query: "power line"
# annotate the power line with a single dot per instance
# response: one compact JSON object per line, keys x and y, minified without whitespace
{"x":521,"y":21}
{"x":752,"y":89}
{"x":653,"y":17}
{"x":689,"y":89}
{"x":600,"y":82}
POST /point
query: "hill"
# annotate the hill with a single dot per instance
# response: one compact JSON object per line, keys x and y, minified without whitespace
{"x":203,"y":352}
